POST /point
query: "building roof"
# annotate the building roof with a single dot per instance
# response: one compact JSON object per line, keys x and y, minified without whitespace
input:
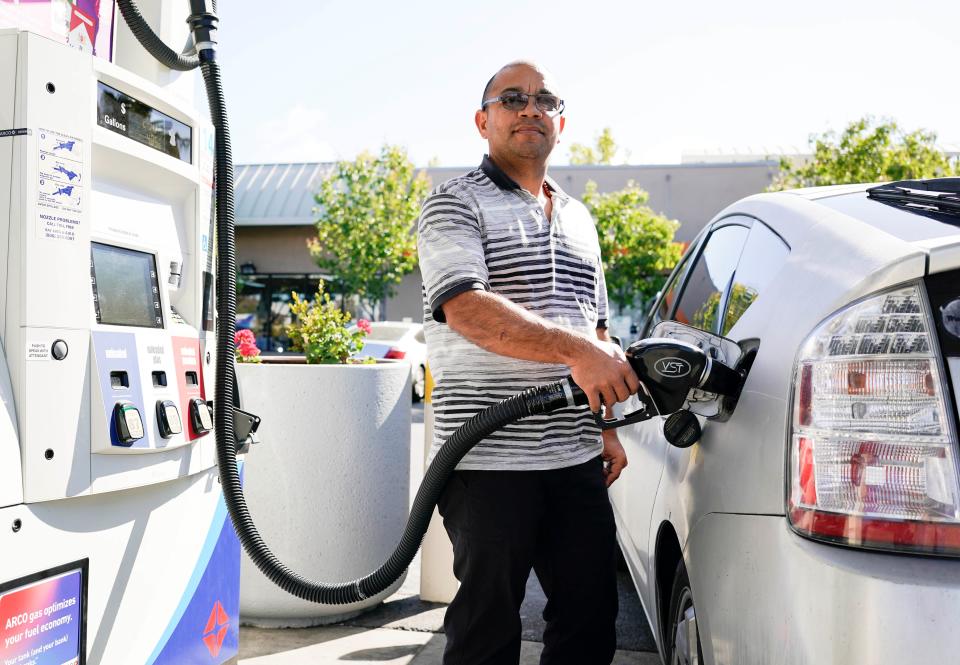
{"x":283,"y":194}
{"x":277,"y":194}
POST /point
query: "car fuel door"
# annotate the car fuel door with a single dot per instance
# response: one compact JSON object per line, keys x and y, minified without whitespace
{"x":735,"y":355}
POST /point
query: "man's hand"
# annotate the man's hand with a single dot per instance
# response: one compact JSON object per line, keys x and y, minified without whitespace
{"x":614,"y":456}
{"x":604,"y":374}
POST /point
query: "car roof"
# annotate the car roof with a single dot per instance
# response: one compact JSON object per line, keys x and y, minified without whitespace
{"x":817,"y":193}
{"x":927,"y":228}
{"x":908,"y":225}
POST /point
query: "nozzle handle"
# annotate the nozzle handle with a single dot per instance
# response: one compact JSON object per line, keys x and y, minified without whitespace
{"x":579,"y":398}
{"x":645,"y":412}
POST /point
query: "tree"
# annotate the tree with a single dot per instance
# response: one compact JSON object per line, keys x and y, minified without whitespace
{"x":868,"y":151}
{"x":636,"y":243}
{"x":365,"y":231}
{"x":606,"y":149}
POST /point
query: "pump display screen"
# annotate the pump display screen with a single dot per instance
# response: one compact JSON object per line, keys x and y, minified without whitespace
{"x":126,"y":290}
{"x":125,"y":115}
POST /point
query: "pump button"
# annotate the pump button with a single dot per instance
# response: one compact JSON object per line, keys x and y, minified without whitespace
{"x":59,"y":350}
{"x":200,"y":416}
{"x":168,"y":419}
{"x":129,"y":422}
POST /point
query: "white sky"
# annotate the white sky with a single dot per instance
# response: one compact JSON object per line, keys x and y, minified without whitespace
{"x":326,"y":80}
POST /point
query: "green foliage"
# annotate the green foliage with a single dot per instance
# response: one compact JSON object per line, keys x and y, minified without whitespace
{"x":636,"y":243}
{"x":868,"y":151}
{"x":741,"y":297}
{"x":320,"y":330}
{"x":365,"y":231}
{"x":604,"y":152}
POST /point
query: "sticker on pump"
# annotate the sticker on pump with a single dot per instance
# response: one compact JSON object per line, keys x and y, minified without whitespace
{"x":42,"y":617}
{"x":60,"y":189}
{"x":38,"y":351}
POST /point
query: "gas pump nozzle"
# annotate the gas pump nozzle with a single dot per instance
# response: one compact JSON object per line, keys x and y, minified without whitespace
{"x":668,"y":370}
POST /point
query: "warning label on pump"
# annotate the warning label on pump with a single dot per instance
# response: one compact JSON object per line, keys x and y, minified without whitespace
{"x":41,"y":623}
{"x":60,"y":190}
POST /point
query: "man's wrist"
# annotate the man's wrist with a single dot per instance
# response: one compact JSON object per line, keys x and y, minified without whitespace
{"x":574,"y":348}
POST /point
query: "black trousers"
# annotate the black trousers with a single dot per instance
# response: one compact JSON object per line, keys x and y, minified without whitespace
{"x":558,"y":522}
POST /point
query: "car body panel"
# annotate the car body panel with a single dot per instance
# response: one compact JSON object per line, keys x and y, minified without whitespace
{"x":738,"y":467}
{"x":776,"y":598}
{"x":633,"y":501}
{"x":943,"y":254}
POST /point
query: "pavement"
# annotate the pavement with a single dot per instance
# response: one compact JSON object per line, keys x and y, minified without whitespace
{"x":405,"y":630}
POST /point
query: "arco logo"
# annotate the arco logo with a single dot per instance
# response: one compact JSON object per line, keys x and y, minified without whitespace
{"x":216,"y":629}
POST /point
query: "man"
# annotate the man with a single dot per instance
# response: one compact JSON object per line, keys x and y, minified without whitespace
{"x":514,"y":296}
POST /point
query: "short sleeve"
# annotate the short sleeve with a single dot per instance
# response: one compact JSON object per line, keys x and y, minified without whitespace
{"x":450,"y":248}
{"x":602,"y":304}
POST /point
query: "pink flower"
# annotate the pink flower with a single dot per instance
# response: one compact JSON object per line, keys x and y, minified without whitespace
{"x":365,"y":326}
{"x":248,"y":349}
{"x":244,"y":335}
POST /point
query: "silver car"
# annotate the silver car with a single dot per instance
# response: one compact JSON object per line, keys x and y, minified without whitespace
{"x":403,"y":341}
{"x":817,"y":519}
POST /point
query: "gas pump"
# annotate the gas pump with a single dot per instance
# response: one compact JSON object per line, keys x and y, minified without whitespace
{"x":119,"y":433}
{"x":115,"y":539}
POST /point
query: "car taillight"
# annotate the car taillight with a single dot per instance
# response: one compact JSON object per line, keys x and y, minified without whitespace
{"x":395,"y":354}
{"x":873,"y":455}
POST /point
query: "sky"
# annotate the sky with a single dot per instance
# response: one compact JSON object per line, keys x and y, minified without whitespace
{"x":327,"y":80}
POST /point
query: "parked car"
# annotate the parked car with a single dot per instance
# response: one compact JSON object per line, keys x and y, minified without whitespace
{"x":817,"y":520}
{"x":400,"y":340}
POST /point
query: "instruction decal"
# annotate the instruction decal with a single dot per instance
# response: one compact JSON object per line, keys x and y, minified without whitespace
{"x":60,"y":191}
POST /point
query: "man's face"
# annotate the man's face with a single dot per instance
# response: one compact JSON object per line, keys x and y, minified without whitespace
{"x":526,"y":134}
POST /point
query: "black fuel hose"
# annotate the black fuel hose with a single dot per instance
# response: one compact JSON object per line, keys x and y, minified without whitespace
{"x":540,"y":399}
{"x":182,"y":62}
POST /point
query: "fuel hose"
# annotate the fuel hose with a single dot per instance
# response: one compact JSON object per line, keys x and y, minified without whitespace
{"x":539,"y":399}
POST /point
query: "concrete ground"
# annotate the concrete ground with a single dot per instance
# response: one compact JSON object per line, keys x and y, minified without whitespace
{"x":407,"y":631}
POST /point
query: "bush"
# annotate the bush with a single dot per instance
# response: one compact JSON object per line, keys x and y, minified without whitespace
{"x":321,"y":330}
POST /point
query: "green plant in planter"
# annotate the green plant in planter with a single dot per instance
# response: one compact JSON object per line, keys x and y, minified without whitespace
{"x":321,"y":330}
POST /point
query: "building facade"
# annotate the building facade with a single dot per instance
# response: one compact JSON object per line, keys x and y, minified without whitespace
{"x":275,"y":218}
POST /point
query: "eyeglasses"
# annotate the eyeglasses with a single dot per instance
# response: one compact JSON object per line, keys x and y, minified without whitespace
{"x":517,"y":101}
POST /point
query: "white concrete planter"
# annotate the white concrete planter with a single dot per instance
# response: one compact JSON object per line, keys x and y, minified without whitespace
{"x":329,"y":486}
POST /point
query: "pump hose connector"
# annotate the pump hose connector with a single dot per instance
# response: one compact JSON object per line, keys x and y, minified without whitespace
{"x":182,"y":62}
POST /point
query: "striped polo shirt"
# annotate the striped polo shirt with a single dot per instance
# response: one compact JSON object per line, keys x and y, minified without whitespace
{"x":483,"y":231}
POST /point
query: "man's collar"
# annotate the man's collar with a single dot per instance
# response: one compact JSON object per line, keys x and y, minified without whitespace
{"x":496,"y":174}
{"x":503,"y":181}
